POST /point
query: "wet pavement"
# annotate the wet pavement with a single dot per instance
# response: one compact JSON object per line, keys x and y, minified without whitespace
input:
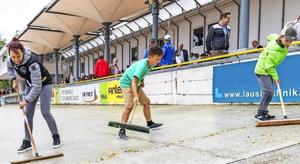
{"x":191,"y":134}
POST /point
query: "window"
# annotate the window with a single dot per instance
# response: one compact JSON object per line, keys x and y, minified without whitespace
{"x":134,"y":54}
{"x":113,"y":55}
{"x":71,"y":70}
{"x":198,"y":37}
{"x":82,"y":68}
{"x":95,"y":60}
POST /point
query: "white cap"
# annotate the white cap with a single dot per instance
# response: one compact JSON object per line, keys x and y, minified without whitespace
{"x":167,"y":37}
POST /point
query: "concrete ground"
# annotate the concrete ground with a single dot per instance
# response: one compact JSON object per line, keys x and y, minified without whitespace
{"x":191,"y":134}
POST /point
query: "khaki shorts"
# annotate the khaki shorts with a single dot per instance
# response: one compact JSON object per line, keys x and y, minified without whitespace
{"x":128,"y":97}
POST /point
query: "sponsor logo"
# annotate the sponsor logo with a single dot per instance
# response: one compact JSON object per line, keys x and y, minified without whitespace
{"x":89,"y":96}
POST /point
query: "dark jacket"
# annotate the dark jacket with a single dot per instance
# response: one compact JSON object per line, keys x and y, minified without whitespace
{"x":216,"y":38}
{"x":185,"y":55}
{"x":31,"y":70}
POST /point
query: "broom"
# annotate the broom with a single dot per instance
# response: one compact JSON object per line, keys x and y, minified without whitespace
{"x":36,"y":154}
{"x":129,"y":126}
{"x":284,"y":121}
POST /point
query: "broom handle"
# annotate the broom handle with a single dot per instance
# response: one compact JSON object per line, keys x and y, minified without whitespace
{"x":134,"y":107}
{"x":30,"y":133}
{"x":29,"y":130}
{"x":281,"y":100}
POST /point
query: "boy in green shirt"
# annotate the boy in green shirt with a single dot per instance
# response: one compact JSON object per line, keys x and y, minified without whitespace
{"x":265,"y":70}
{"x":132,"y":82}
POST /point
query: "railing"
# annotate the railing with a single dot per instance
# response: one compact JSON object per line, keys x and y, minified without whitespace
{"x":239,"y":53}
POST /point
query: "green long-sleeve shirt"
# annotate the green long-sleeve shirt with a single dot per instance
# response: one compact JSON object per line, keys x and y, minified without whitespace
{"x":271,"y":57}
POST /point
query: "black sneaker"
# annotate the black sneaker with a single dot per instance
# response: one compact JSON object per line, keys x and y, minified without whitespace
{"x":261,"y":117}
{"x":270,"y":116}
{"x":122,"y":135}
{"x":155,"y":125}
{"x":26,"y":146}
{"x":56,"y":141}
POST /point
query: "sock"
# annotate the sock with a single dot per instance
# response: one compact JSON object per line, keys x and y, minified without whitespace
{"x":149,"y":123}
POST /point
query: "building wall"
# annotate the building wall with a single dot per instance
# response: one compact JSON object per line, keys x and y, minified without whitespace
{"x":270,"y":18}
{"x":271,"y":22}
{"x":253,"y":21}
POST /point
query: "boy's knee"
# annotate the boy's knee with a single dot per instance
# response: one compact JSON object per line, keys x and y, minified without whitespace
{"x":127,"y":110}
{"x":145,"y":101}
{"x":269,"y":92}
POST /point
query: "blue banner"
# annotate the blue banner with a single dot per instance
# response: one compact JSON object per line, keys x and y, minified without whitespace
{"x":236,"y":83}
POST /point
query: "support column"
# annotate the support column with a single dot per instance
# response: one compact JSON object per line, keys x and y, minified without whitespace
{"x":56,"y":51}
{"x":244,"y":24}
{"x":106,"y":40}
{"x":155,"y":13}
{"x":77,"y":57}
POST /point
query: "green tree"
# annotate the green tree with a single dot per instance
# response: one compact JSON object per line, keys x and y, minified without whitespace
{"x":2,"y":42}
{"x":4,"y":84}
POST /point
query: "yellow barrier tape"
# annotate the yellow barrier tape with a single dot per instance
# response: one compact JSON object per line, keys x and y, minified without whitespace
{"x":189,"y":62}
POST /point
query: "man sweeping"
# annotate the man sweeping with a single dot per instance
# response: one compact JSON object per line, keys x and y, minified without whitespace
{"x":132,"y":82}
{"x":265,"y":70}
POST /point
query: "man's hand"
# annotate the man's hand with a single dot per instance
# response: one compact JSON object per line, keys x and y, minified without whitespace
{"x":277,"y":81}
{"x":22,"y":104}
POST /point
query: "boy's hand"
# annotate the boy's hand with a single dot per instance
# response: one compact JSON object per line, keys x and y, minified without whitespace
{"x":143,"y":84}
{"x":135,"y":100}
{"x":277,"y":81}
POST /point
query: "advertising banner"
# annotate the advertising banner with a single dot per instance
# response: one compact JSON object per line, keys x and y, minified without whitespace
{"x":237,"y":83}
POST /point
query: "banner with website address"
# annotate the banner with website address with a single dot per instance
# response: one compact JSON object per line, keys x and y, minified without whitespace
{"x":236,"y":83}
{"x":111,"y":93}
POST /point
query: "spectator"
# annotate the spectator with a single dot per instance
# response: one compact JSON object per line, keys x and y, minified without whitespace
{"x":204,"y":55}
{"x":255,"y":44}
{"x":92,"y":76}
{"x":168,"y":52}
{"x":101,"y":68}
{"x":114,"y":68}
{"x":67,"y":80}
{"x":192,"y":56}
{"x":153,"y":43}
{"x":160,"y":42}
{"x":217,"y":41}
{"x":197,"y":56}
{"x":181,"y":55}
{"x":296,"y":25}
{"x":72,"y":78}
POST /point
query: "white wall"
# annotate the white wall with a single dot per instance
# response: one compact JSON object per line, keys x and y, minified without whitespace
{"x":291,"y":10}
{"x":270,"y":18}
{"x":174,"y":87}
{"x":51,"y":67}
{"x":253,"y":21}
